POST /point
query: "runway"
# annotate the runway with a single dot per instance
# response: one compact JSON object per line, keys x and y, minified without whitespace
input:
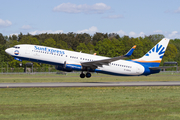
{"x":88,"y":84}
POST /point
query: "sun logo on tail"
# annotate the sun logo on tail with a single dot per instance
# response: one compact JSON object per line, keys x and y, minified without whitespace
{"x":157,"y":49}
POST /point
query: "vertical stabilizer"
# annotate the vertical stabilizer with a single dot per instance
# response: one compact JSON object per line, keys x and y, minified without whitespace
{"x":156,"y":54}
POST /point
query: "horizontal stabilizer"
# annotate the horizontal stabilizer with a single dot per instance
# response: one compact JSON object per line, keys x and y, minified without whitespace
{"x":161,"y":67}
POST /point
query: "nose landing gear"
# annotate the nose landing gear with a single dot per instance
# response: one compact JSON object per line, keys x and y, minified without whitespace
{"x":82,"y":75}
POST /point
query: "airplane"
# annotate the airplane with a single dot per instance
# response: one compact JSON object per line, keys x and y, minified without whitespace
{"x":69,"y":61}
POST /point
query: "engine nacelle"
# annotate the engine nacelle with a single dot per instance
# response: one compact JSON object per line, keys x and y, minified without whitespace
{"x":61,"y":67}
{"x":69,"y":66}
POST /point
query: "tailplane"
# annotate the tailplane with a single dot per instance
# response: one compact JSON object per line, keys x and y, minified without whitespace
{"x":155,"y":55}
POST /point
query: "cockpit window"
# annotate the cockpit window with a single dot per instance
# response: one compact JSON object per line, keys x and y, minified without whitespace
{"x":16,"y":47}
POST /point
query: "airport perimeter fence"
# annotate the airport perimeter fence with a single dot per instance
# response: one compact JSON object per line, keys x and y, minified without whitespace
{"x":50,"y":70}
{"x":29,"y":70}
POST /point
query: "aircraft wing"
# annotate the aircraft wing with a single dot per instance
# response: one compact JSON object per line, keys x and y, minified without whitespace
{"x":99,"y":63}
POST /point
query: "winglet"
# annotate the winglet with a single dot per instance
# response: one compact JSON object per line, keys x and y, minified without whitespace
{"x":129,"y":53}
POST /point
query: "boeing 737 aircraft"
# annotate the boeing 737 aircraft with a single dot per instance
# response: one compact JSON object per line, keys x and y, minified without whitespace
{"x":69,"y":60}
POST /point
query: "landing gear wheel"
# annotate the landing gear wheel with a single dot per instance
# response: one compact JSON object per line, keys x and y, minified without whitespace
{"x":82,"y":75}
{"x":88,"y":75}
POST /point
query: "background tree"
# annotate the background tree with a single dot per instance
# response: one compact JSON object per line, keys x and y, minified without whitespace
{"x":49,"y":42}
{"x":110,"y":45}
{"x":29,"y":40}
{"x":113,"y":35}
{"x":2,"y":39}
{"x":109,"y":48}
{"x":83,"y":48}
{"x":98,"y":37}
{"x":90,"y":48}
{"x":155,"y":38}
{"x":61,"y":44}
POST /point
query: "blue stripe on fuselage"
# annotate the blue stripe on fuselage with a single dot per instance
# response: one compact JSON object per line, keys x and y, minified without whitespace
{"x":146,"y":66}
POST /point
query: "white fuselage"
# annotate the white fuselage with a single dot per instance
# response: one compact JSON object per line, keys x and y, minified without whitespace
{"x":56,"y":56}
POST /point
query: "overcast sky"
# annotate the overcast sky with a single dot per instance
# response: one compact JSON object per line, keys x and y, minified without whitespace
{"x":125,"y":17}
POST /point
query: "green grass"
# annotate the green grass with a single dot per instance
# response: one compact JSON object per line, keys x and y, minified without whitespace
{"x":74,"y":77}
{"x":87,"y":103}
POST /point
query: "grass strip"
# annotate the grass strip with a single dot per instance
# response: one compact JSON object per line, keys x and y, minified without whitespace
{"x":74,"y":77}
{"x":89,"y":103}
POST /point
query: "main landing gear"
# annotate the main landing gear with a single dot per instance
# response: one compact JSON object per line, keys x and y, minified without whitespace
{"x":88,"y":75}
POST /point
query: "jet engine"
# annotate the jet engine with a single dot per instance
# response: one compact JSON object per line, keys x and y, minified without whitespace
{"x":69,"y":66}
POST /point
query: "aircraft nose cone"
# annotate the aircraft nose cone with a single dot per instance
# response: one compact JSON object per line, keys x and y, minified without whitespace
{"x":8,"y":51}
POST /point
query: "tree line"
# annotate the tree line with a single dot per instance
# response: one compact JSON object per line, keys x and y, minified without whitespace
{"x":104,"y":44}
